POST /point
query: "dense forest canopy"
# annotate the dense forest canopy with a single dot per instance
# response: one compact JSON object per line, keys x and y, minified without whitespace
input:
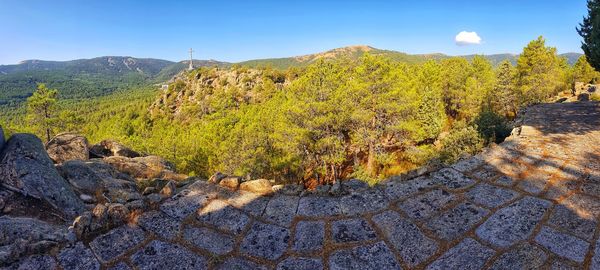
{"x":366,"y":117}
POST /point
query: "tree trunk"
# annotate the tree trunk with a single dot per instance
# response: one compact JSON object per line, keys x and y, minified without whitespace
{"x":371,"y":164}
{"x":47,"y":126}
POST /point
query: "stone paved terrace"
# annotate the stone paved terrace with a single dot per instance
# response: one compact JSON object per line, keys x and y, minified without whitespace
{"x":531,"y":202}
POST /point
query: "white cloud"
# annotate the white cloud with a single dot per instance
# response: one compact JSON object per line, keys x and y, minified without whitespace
{"x":467,"y":38}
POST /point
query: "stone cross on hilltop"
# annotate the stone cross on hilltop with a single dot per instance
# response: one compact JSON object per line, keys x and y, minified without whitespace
{"x":191,"y":60}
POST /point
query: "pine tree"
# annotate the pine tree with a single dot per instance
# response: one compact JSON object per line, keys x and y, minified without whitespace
{"x":431,"y":109}
{"x":318,"y":111}
{"x":503,"y":98}
{"x":589,"y":30}
{"x":583,"y":71}
{"x":480,"y":83}
{"x":384,"y":105}
{"x":539,"y":73}
{"x":41,"y":109}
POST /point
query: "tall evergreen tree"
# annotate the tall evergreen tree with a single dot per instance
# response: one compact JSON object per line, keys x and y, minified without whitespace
{"x":589,"y":30}
{"x":41,"y":109}
{"x":583,"y":71}
{"x":503,"y":98}
{"x":431,"y":109}
{"x":384,"y":106}
{"x":539,"y":73}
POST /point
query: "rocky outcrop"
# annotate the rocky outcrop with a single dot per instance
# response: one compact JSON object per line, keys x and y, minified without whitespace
{"x":147,"y":167}
{"x":100,"y":181}
{"x":108,"y":148}
{"x":24,"y":236}
{"x":2,"y":140}
{"x":260,"y":186}
{"x":26,"y":168}
{"x":68,"y":146}
{"x":83,"y":179}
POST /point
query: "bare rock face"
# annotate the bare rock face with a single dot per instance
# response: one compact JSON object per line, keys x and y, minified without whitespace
{"x":68,"y":146}
{"x":2,"y":140}
{"x":100,"y":181}
{"x":230,"y":182}
{"x":108,"y":148}
{"x":261,"y":186}
{"x":81,"y":177}
{"x":147,"y":167}
{"x":26,"y":168}
{"x":24,"y":236}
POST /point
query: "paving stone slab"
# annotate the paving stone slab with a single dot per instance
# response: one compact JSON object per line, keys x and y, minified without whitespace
{"x":468,"y":254}
{"x":309,"y":236}
{"x":584,"y":205}
{"x":160,"y":224}
{"x":514,"y":222}
{"x":559,"y":264}
{"x":376,"y":257}
{"x":591,"y":189}
{"x":281,"y":210}
{"x":211,"y":240}
{"x":486,"y":173}
{"x":595,"y":264}
{"x":77,"y":257}
{"x":453,"y":223}
{"x":561,"y":189}
{"x":354,"y":185}
{"x":293,"y":263}
{"x":570,"y":221}
{"x":352,"y":230}
{"x":184,"y":204}
{"x":396,"y":189}
{"x":563,"y":245}
{"x":504,"y":180}
{"x":116,"y":242}
{"x":370,"y":200}
{"x":510,"y":168}
{"x":427,"y":204}
{"x":414,"y":247}
{"x":452,"y":179}
{"x":317,"y":206}
{"x":252,"y":203}
{"x":491,"y":196}
{"x":41,"y":262}
{"x":535,"y":182}
{"x":467,"y":165}
{"x":223,"y":216}
{"x":210,"y":190}
{"x":237,"y":263}
{"x":120,"y":266}
{"x":523,"y":256}
{"x":266,"y":241}
{"x":162,"y":255}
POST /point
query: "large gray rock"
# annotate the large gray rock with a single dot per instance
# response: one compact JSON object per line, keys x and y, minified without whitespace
{"x":23,"y":236}
{"x":81,"y":176}
{"x":27,"y":169}
{"x":147,"y":167}
{"x":108,"y":148}
{"x":68,"y":146}
{"x":2,"y":140}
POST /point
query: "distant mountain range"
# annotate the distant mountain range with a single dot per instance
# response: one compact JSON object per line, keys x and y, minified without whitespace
{"x":85,"y":78}
{"x":357,"y":51}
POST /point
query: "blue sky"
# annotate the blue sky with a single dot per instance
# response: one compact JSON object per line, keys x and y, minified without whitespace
{"x":242,"y":30}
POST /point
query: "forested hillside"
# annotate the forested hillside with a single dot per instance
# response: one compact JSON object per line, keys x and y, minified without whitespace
{"x":86,"y":78}
{"x":354,"y":52}
{"x":351,"y":114}
{"x":89,"y":78}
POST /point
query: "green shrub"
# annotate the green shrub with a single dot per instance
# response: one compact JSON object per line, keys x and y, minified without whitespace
{"x":462,"y":140}
{"x":492,"y":127}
